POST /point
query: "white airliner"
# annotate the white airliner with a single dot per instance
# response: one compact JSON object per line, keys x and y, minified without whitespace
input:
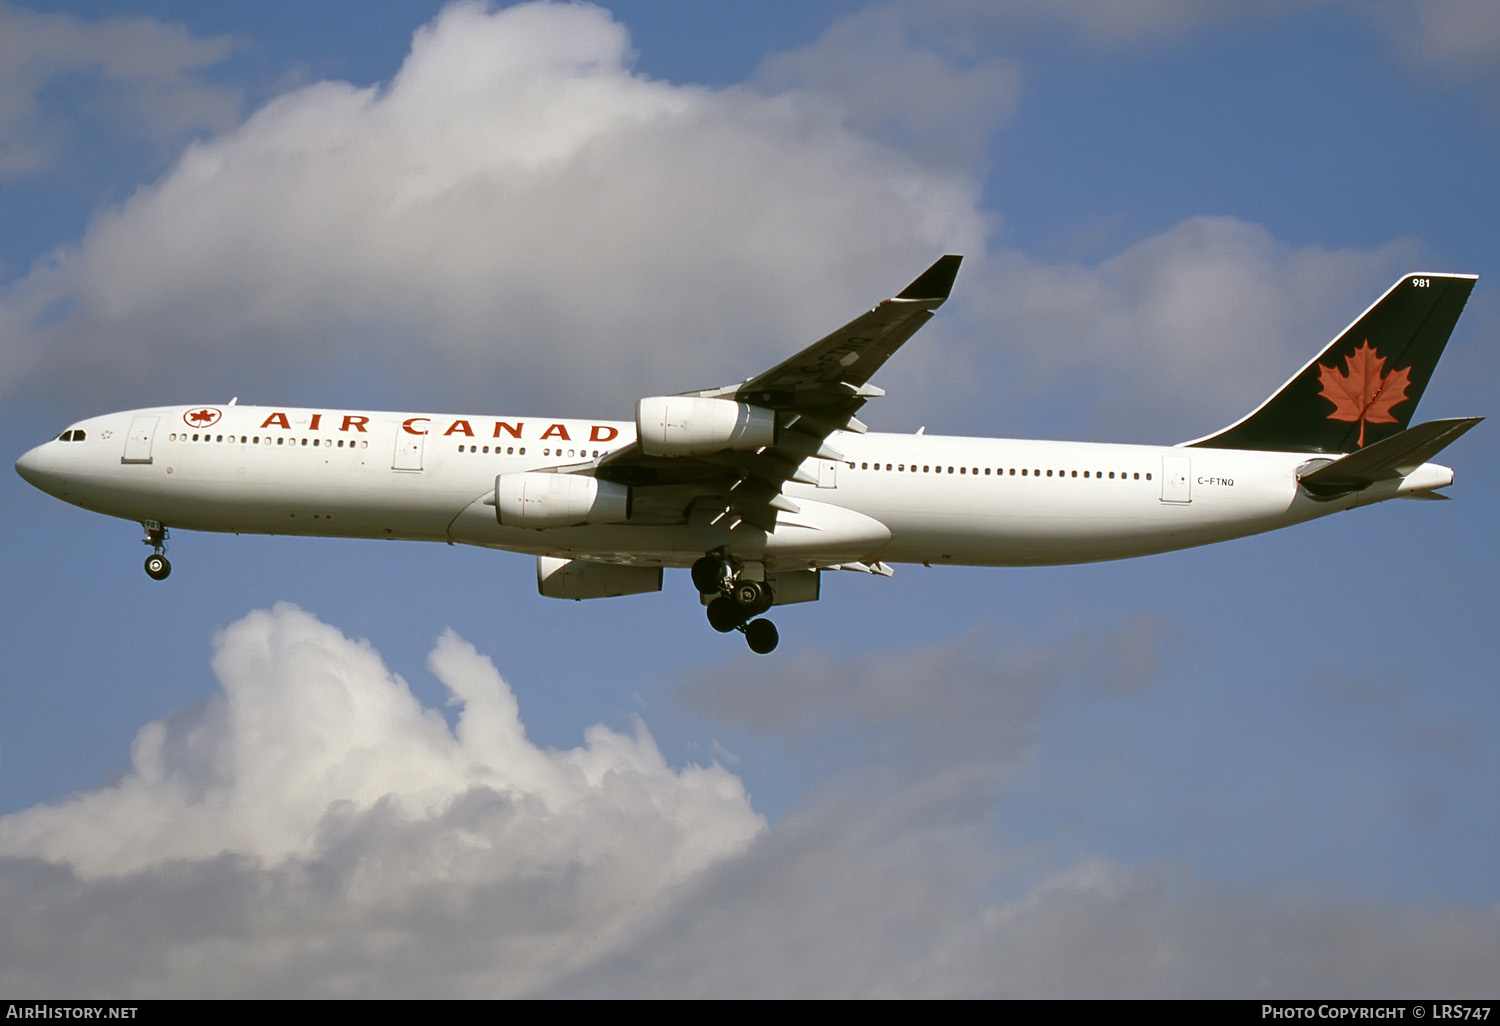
{"x":761,"y":486}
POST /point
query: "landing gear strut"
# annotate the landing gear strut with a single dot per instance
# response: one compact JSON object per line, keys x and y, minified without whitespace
{"x":157,"y":566}
{"x":737,"y":604}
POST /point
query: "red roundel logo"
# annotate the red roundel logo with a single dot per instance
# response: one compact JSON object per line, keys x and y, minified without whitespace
{"x":202,"y":417}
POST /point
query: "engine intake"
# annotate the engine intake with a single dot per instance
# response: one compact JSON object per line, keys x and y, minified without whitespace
{"x":537,"y":500}
{"x":679,"y":425}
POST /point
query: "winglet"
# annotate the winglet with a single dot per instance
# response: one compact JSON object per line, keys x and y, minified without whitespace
{"x":936,"y":282}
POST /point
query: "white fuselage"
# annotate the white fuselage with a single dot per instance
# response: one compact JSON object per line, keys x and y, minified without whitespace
{"x":892,"y":498}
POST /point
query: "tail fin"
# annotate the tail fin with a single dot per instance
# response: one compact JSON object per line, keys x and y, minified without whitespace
{"x":1365,"y":386}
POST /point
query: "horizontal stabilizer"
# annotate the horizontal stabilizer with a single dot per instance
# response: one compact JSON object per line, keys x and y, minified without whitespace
{"x":1392,"y":457}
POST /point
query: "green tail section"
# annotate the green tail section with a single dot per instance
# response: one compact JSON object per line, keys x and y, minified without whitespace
{"x":1365,"y":386}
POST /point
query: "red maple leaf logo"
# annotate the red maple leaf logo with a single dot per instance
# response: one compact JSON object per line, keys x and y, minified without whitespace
{"x":1361,"y":392}
{"x":201,"y":418}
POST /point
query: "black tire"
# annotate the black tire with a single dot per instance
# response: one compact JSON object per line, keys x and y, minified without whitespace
{"x":753,"y":598}
{"x":708,"y":575}
{"x":761,"y":636}
{"x":157,"y":567}
{"x":724,"y":615}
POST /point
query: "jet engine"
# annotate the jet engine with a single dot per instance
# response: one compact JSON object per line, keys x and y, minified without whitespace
{"x":680,"y":425}
{"x":539,"y":500}
{"x":581,"y":579}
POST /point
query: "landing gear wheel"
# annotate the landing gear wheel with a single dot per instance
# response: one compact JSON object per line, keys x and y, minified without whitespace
{"x":157,"y":567}
{"x":708,"y":575}
{"x":724,"y":615}
{"x":753,"y":598}
{"x":761,"y":636}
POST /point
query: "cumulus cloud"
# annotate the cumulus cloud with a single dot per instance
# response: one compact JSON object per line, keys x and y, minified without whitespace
{"x":930,"y":95}
{"x":519,"y":219}
{"x":517,"y":205}
{"x":313,"y":831}
{"x":1215,"y":313}
{"x":150,"y":73}
{"x":317,"y":827}
{"x":857,"y":900}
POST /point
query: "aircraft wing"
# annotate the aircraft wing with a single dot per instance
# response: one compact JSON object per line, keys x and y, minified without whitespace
{"x":813,"y":394}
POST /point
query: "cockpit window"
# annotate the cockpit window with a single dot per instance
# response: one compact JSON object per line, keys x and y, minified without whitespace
{"x":71,"y":435}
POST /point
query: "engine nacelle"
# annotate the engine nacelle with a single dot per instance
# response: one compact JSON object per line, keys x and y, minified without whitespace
{"x":538,"y":500}
{"x":683,"y":425}
{"x":580,"y":579}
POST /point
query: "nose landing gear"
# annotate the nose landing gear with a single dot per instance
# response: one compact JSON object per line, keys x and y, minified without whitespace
{"x":157,"y":566}
{"x":738,"y":603}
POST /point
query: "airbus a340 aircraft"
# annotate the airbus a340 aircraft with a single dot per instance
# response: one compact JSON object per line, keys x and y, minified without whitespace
{"x":760,"y":487}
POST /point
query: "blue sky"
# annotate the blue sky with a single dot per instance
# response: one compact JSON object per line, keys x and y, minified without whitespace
{"x":1258,"y":769}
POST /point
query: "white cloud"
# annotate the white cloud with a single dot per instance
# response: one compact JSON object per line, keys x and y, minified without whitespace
{"x":519,"y":219}
{"x":1182,"y":332}
{"x":330,"y":825}
{"x":904,"y":892}
{"x":517,"y":206}
{"x":1452,"y":35}
{"x":930,"y":95}
{"x":313,"y":831}
{"x":149,"y":73}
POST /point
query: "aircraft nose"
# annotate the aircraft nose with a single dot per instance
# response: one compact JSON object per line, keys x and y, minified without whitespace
{"x":33,"y":468}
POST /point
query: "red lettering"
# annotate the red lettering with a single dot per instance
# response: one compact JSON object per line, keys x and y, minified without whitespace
{"x":406,"y":425}
{"x":315,"y":419}
{"x":514,"y":430}
{"x":558,"y":430}
{"x":357,"y":423}
{"x":460,"y":426}
{"x":279,"y":419}
{"x":603,"y":433}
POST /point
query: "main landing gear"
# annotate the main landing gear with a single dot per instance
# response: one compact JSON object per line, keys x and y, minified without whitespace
{"x":157,"y":566}
{"x":738,"y":603}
